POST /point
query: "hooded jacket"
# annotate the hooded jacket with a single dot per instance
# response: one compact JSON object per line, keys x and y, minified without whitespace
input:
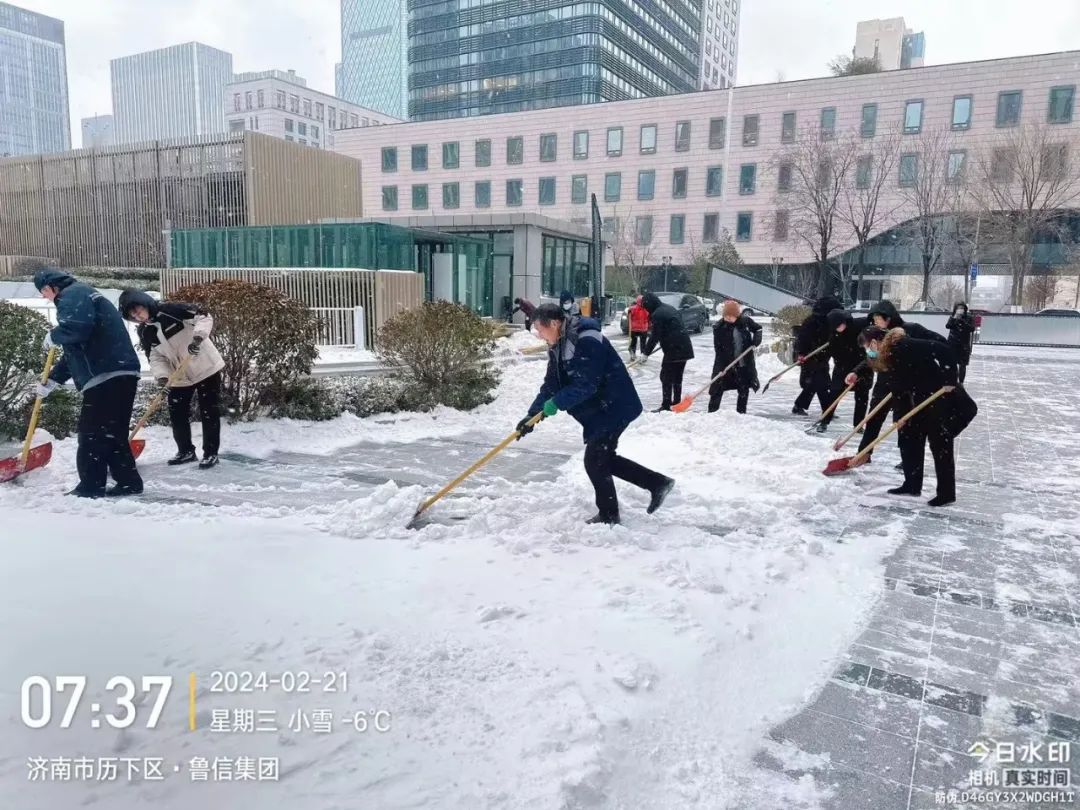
{"x":844,"y":346}
{"x":587,"y":379}
{"x":916,"y":330}
{"x":97,"y":346}
{"x":166,"y":336}
{"x":638,"y":317}
{"x":814,"y":332}
{"x":666,"y":329}
{"x":730,"y":340}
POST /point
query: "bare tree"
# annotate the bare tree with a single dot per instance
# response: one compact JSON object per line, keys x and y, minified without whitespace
{"x":946,"y":292}
{"x":863,"y":208}
{"x":1040,"y":290}
{"x":704,"y":257}
{"x":813,"y":172}
{"x":629,"y":258}
{"x":1026,"y":179}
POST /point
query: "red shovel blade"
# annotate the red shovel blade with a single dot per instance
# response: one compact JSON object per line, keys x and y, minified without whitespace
{"x":137,"y":446}
{"x":838,"y":466}
{"x":39,"y":456}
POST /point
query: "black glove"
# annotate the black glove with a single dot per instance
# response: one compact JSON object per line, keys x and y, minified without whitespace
{"x":524,"y":428}
{"x":195,"y":346}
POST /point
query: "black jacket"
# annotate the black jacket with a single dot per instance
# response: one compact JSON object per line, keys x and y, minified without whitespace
{"x":815,"y":332}
{"x":666,"y":329}
{"x":844,"y":346}
{"x":914,"y":330}
{"x":961,"y":335}
{"x":730,"y":340}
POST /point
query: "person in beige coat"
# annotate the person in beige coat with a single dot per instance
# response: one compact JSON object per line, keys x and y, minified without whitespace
{"x":170,"y":333}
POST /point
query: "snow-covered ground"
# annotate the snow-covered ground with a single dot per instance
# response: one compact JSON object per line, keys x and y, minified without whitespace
{"x":525,"y":660}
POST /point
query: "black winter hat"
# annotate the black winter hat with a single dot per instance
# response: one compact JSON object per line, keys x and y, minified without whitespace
{"x":887,"y":310}
{"x":650,"y":301}
{"x":837,"y":317}
{"x":132,"y":297}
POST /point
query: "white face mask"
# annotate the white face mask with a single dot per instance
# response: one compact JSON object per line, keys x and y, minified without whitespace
{"x":568,"y":305}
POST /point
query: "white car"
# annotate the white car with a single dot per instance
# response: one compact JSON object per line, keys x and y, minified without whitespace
{"x":1060,"y":312}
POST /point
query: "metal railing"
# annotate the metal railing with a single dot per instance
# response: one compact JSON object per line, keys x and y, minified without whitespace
{"x":336,"y":326}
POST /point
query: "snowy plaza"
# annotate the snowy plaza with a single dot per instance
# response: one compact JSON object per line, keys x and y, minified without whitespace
{"x":770,"y":638}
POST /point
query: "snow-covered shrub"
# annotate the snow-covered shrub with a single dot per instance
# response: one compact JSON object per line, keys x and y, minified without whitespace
{"x":21,"y":356}
{"x":442,"y":348}
{"x":367,"y":396}
{"x":789,"y":318}
{"x":309,"y":398}
{"x":265,"y":338}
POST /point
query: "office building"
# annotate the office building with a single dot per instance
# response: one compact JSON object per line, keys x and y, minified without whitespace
{"x":174,"y":92}
{"x":373,"y":70}
{"x":719,"y":43}
{"x":471,"y":62}
{"x":97,"y":132}
{"x":34,"y":115}
{"x":281,"y":104}
{"x":891,"y":42}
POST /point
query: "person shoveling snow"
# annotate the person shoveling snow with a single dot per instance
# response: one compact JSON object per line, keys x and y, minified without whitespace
{"x":587,"y":379}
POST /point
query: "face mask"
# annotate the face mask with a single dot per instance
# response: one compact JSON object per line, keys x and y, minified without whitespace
{"x":872,"y":354}
{"x":567,"y":305}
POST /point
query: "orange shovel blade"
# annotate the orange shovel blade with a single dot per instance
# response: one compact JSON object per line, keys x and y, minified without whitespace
{"x":11,"y":468}
{"x":683,"y":405}
{"x":137,"y":446}
{"x":838,"y":466}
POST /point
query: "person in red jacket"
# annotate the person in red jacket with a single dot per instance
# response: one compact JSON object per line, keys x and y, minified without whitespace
{"x":638,"y":318}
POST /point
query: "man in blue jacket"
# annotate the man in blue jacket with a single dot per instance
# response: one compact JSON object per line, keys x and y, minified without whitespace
{"x":587,"y":379}
{"x":99,"y":357}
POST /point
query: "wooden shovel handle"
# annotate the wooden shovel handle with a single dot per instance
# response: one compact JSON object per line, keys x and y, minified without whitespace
{"x":820,"y":348}
{"x":727,"y":368}
{"x":896,"y":426}
{"x":155,"y":403}
{"x":884,"y":401}
{"x":35,"y":414}
{"x":831,"y":408}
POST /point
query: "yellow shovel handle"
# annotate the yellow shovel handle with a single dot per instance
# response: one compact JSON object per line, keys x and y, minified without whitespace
{"x":35,"y":414}
{"x":155,"y":403}
{"x":896,"y":426}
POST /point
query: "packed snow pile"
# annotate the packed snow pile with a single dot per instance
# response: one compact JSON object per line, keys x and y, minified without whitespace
{"x":521,"y":659}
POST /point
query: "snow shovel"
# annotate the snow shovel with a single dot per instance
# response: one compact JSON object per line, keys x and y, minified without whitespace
{"x":138,"y":445}
{"x":776,"y":377}
{"x":686,"y":402}
{"x":841,"y":442}
{"x":839,"y":466}
{"x":30,"y":458}
{"x":830,"y":409}
{"x":429,"y":502}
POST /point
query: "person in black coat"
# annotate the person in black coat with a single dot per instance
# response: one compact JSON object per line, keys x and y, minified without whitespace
{"x":814,"y":374}
{"x":847,"y":356}
{"x":917,"y":369}
{"x":669,"y":333}
{"x":732,"y":335}
{"x":961,"y":328}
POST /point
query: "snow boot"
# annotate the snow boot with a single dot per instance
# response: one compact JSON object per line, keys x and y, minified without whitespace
{"x":904,"y":490}
{"x":822,"y":427}
{"x":608,"y":520}
{"x":797,"y":411}
{"x":185,"y":457}
{"x":120,"y":490}
{"x":84,"y":492}
{"x":208,"y":462}
{"x":941,"y":500}
{"x":659,"y":495}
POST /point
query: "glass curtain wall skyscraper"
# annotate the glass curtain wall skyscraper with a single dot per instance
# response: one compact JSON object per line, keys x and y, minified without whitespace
{"x":476,"y":57}
{"x":373,"y":68}
{"x":34,"y":115}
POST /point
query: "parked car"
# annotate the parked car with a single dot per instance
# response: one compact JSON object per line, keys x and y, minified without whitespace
{"x":925,"y":306}
{"x":1058,"y":312}
{"x":695,"y":316}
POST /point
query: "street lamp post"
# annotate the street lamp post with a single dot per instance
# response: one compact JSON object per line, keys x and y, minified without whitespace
{"x":667,"y":266}
{"x":777,"y":263}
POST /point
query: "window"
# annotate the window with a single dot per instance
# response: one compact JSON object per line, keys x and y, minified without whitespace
{"x":307,"y":107}
{"x":1001,"y":165}
{"x":717,"y":133}
{"x":515,"y":151}
{"x":1055,"y":160}
{"x":236,"y":102}
{"x":579,"y":188}
{"x":954,"y":171}
{"x":547,"y":191}
{"x":646,"y":184}
{"x":678,"y":229}
{"x":783,"y":177}
{"x":581,"y":145}
{"x":1061,"y":105}
{"x":1008,"y":108}
{"x":678,"y":184}
{"x":710,"y":229}
{"x":320,"y":110}
{"x":643,"y":230}
{"x":451,"y":154}
{"x":331,"y":118}
{"x":548,"y":147}
{"x":451,"y":195}
{"x":714,"y":181}
{"x":290,"y":138}
{"x":868,"y":124}
{"x":513,"y":192}
{"x":913,"y":117}
{"x":262,"y":98}
{"x":909,"y":170}
{"x":750,"y":130}
{"x":482,"y":193}
{"x":314,"y":131}
{"x":279,"y":100}
{"x":236,"y":125}
{"x":787,"y":128}
{"x":389,"y":159}
{"x":483,"y":153}
{"x":961,"y":112}
{"x":748,"y":178}
{"x":612,"y":186}
{"x":614,"y":141}
{"x":294,"y":104}
{"x":648,"y":139}
{"x":744,"y":226}
{"x":301,"y":129}
{"x":354,"y":120}
{"x":389,"y":198}
{"x":419,"y":158}
{"x":864,"y":171}
{"x":682,"y":136}
{"x":419,"y":197}
{"x":288,"y":125}
{"x":781,"y":225}
{"x":828,"y":123}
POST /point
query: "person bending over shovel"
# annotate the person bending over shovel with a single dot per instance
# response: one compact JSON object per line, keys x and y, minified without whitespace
{"x":587,"y":379}
{"x":169,"y":332}
{"x":99,"y":358}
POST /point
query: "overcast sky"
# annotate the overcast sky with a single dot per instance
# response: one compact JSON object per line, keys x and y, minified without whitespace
{"x":792,"y":38}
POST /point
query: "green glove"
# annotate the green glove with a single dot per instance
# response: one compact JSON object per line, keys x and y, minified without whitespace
{"x":550,"y":408}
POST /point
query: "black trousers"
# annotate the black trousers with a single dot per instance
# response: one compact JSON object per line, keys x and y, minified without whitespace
{"x":928,"y":427}
{"x":861,"y":392}
{"x":961,"y":371}
{"x":671,"y":375}
{"x":103,"y":435}
{"x":636,"y":339}
{"x":603,"y":465}
{"x":896,"y":405}
{"x":209,"y":392}
{"x":815,"y":382}
{"x":740,"y":402}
